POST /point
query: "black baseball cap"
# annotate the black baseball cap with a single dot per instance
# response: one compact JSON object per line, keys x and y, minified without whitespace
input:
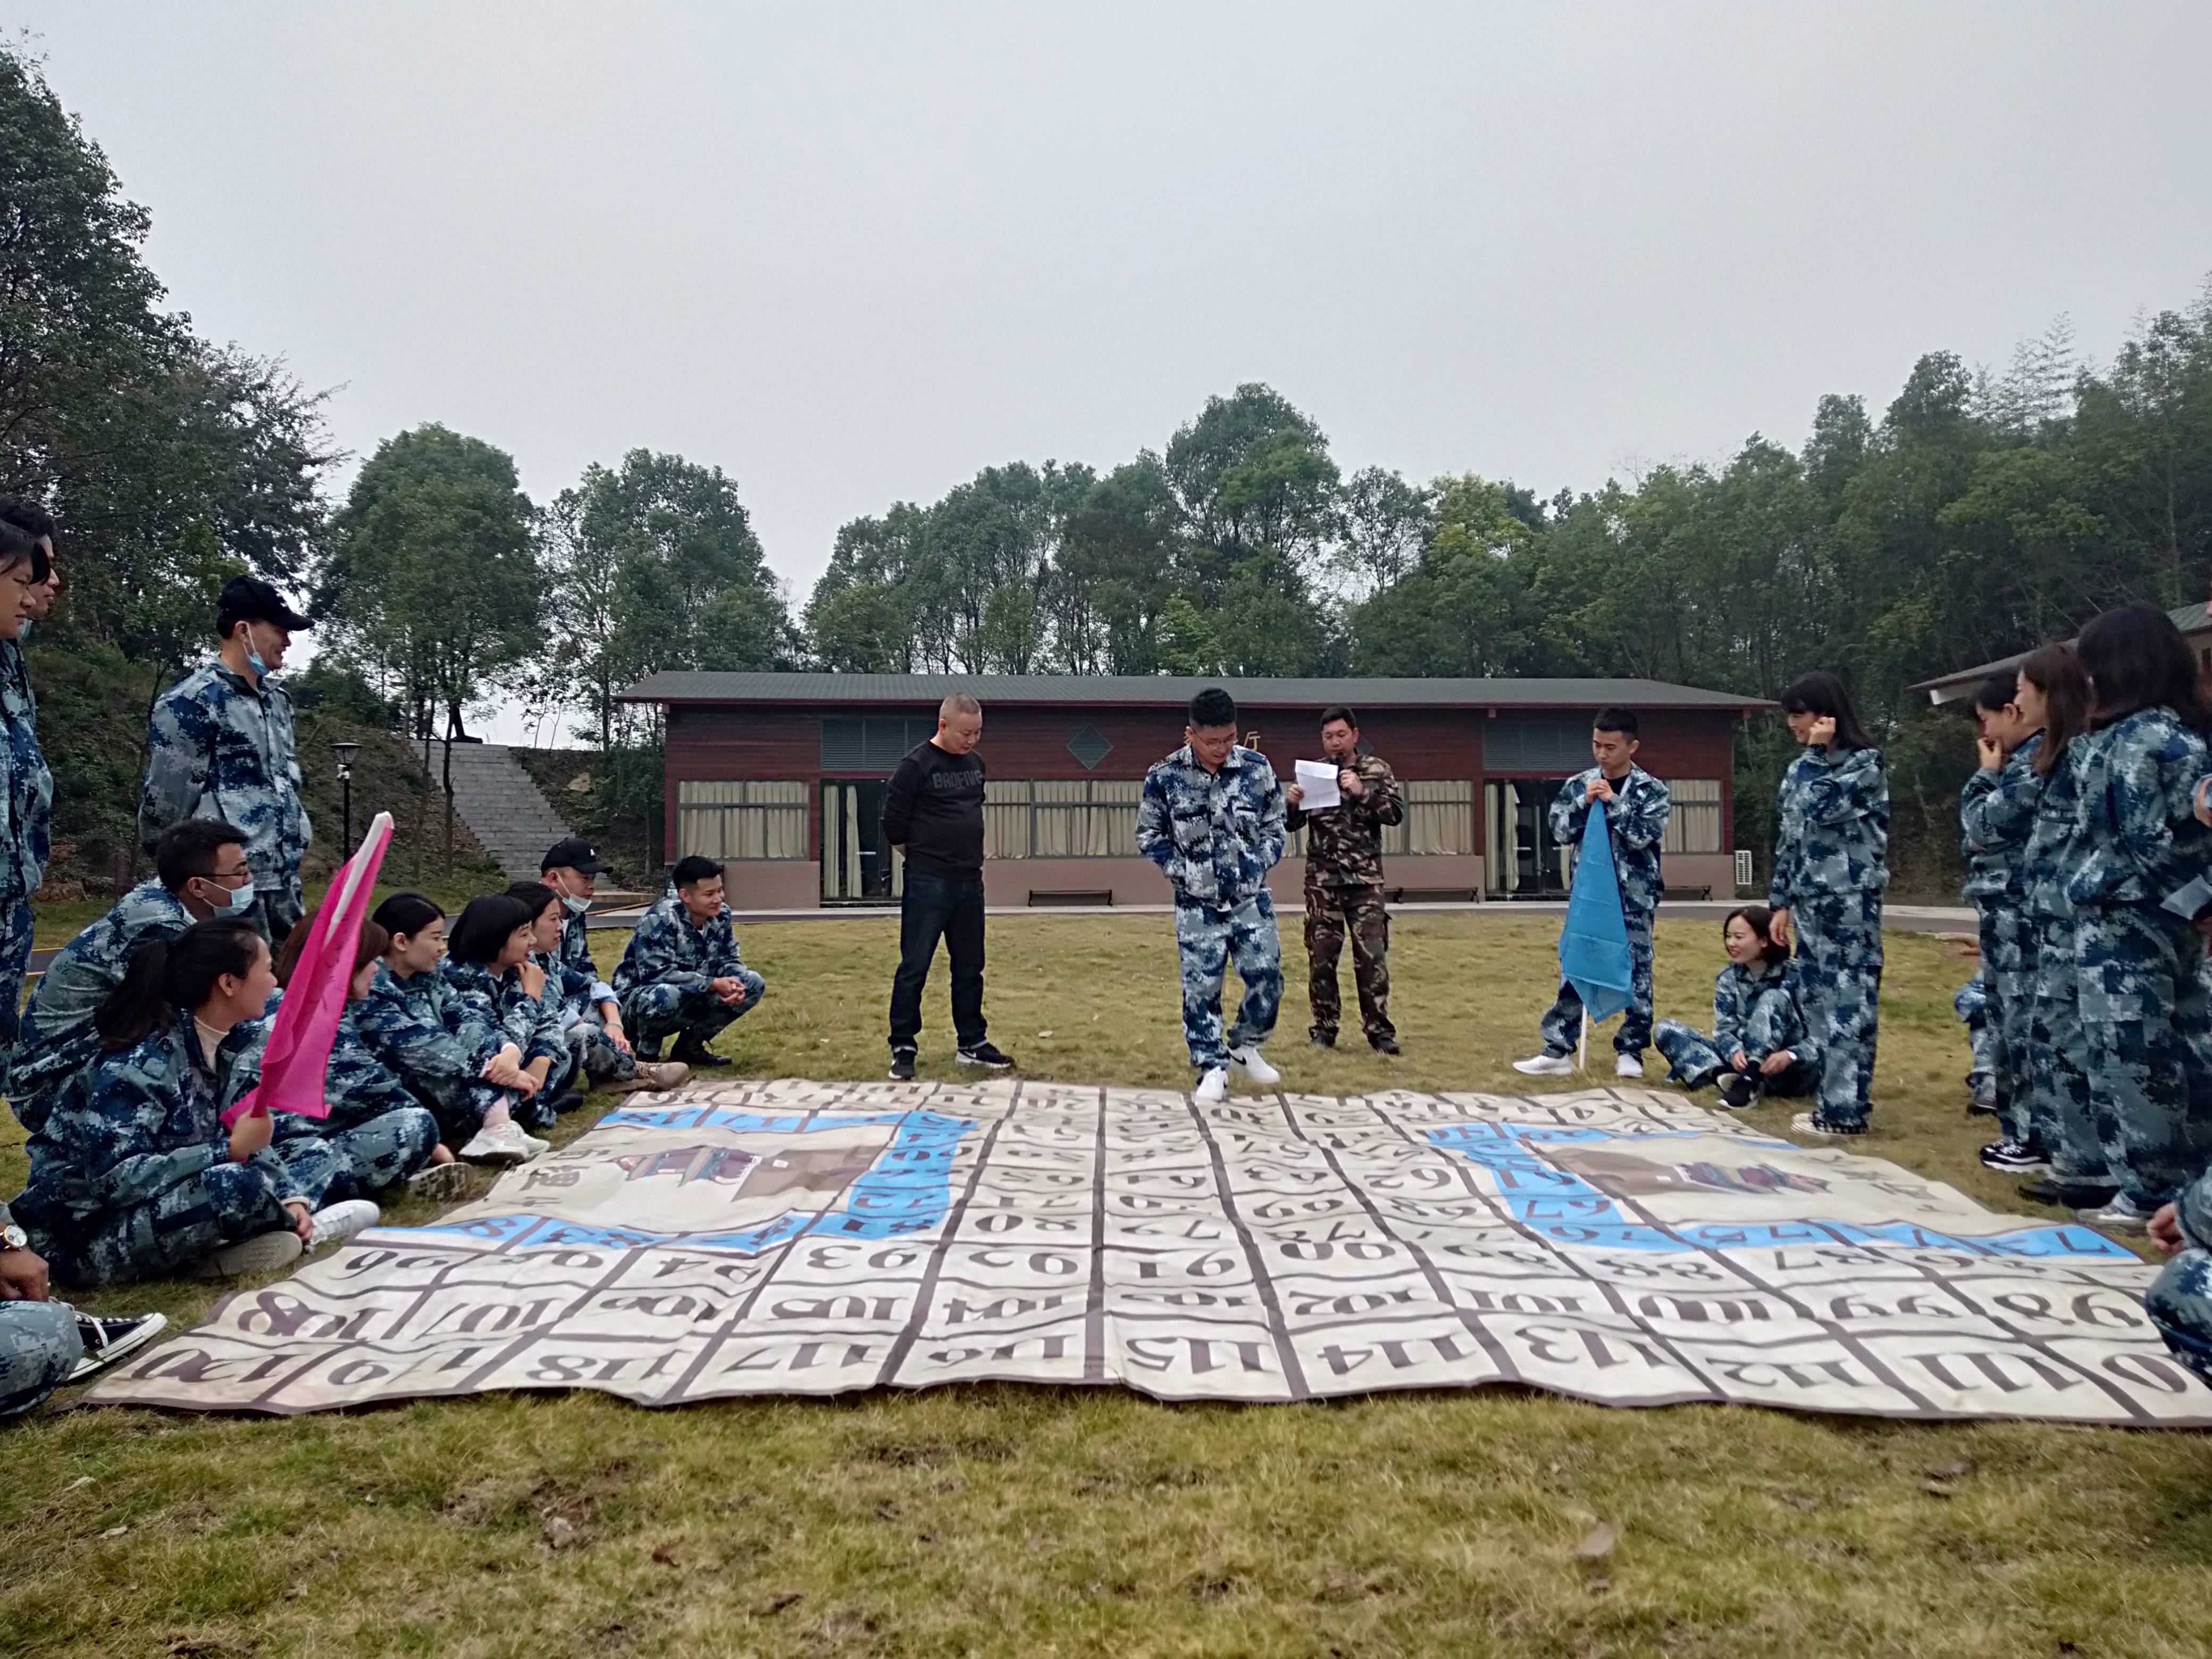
{"x":248,"y":598}
{"x":574,"y":854}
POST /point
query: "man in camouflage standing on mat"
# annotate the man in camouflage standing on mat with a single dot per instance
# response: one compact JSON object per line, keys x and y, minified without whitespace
{"x":1343,"y":883}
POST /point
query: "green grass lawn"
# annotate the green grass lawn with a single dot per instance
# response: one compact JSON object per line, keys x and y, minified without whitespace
{"x":1029,"y":1521}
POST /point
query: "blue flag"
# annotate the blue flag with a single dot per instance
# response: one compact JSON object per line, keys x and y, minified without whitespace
{"x":1593,"y":943}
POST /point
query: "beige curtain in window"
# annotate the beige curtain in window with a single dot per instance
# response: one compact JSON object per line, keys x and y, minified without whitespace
{"x":744,"y":819}
{"x":1006,"y":819}
{"x":1083,"y":818}
{"x":1695,"y":824}
{"x":1439,"y":818}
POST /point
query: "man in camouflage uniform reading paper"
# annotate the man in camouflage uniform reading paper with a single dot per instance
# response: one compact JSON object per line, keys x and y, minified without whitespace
{"x":1343,"y":883}
{"x":222,"y":747}
{"x":1211,"y":817}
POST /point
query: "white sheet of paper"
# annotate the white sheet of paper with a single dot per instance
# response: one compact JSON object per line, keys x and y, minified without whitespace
{"x":1317,"y":786}
{"x":2191,"y":899}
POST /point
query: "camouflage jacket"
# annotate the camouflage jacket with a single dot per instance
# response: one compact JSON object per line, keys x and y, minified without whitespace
{"x":1637,"y":822}
{"x":1214,"y":835}
{"x":56,"y":1040}
{"x":2052,"y":834}
{"x":1344,"y":844}
{"x":140,"y":1121}
{"x":1996,"y":811}
{"x":667,"y":950}
{"x":2140,"y":839}
{"x":1830,"y":826}
{"x":581,"y":985}
{"x":1770,"y":988}
{"x":220,"y":750}
{"x":357,"y":1085}
{"x":28,"y":802}
{"x":498,"y":1000}
{"x":422,"y":1029}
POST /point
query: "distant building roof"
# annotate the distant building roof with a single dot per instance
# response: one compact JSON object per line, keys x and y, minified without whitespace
{"x":2193,"y":619}
{"x":1170,"y":691}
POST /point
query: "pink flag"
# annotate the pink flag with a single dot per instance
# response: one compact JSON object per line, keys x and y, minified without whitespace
{"x":298,"y":1052}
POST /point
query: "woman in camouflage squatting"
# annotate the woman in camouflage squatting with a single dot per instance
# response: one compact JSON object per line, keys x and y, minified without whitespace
{"x":1830,"y":864}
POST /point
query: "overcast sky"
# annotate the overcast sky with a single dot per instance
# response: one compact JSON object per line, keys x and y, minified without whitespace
{"x":851,"y":254}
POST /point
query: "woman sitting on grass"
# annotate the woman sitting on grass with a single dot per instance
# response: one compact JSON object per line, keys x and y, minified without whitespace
{"x":485,"y":957}
{"x":1760,"y":1043}
{"x":461,"y":1067}
{"x":387,"y":1134}
{"x":133,"y":1175}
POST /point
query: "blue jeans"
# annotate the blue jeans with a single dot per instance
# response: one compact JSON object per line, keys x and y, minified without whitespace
{"x":934,"y":908}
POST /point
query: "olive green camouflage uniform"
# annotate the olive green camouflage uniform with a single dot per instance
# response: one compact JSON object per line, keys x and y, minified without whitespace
{"x":1343,"y":900}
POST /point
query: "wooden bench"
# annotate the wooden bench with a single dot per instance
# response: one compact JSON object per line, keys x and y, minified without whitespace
{"x":1689,"y":892}
{"x":1043,"y":896}
{"x":1432,"y":895}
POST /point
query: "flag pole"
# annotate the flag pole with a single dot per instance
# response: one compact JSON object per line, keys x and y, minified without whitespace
{"x":1582,"y":1058}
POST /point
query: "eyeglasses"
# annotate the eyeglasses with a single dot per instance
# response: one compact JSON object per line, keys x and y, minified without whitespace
{"x":231,"y":878}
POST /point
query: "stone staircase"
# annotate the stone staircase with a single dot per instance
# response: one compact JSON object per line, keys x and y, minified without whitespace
{"x":501,"y":803}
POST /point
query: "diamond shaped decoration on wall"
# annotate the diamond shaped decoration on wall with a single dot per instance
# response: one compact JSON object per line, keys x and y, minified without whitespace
{"x":1090,"y":747}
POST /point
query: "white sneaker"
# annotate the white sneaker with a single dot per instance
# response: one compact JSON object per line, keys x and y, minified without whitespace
{"x":505,"y":1146}
{"x":1212,"y":1088}
{"x":1629,"y":1066}
{"x":1247,"y":1059}
{"x":536,"y":1146}
{"x":264,"y":1253}
{"x":334,"y":1223}
{"x":1545,"y":1066}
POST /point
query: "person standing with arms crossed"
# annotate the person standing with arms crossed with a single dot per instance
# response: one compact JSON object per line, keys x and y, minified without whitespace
{"x":220,"y":746}
{"x":1343,"y":883}
{"x":934,"y":809}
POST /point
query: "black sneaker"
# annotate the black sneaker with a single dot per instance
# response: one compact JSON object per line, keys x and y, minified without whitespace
{"x":1384,"y":1045}
{"x":567,"y":1101}
{"x":1738,"y":1091}
{"x":695,"y":1054}
{"x":2071,"y":1195}
{"x":2014,"y":1157}
{"x":107,"y":1340}
{"x":1322,"y":1040}
{"x":902,"y":1065}
{"x":985,"y":1055}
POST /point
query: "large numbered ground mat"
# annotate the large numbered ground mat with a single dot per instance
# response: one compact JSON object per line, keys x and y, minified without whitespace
{"x":795,"y":1237}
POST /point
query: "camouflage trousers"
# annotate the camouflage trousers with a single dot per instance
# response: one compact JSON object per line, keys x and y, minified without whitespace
{"x":2146,"y":1019}
{"x":1562,"y":1025}
{"x":1839,"y":990}
{"x":1972,"y":1005}
{"x":1207,"y":940}
{"x":2057,"y":1067}
{"x":1333,"y":915}
{"x":1694,"y":1059}
{"x":14,"y":960}
{"x":276,"y":911}
{"x":460,"y":1108}
{"x":2179,"y":1302}
{"x":653,"y":1012}
{"x":39,"y":1346}
{"x":380,"y":1153}
{"x":187,"y":1222}
{"x":2006,"y":937}
{"x":592,"y":1057}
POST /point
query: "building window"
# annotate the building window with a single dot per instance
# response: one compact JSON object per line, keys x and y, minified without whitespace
{"x":748,"y":820}
{"x":1695,"y":824}
{"x":1086,"y":818}
{"x":1439,"y":819}
{"x":875,"y":746}
{"x":1536,"y":743}
{"x":1089,"y":746}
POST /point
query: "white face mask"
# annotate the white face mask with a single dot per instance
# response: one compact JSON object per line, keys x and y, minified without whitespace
{"x":236,"y":901}
{"x":261,"y":670}
{"x":574,"y":905}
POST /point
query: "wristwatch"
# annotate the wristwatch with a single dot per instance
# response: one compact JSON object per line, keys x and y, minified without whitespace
{"x":13,"y":1237}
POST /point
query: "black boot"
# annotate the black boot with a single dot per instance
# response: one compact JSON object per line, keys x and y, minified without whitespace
{"x":695,"y":1054}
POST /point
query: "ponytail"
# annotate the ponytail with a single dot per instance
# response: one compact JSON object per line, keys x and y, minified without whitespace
{"x":176,"y":973}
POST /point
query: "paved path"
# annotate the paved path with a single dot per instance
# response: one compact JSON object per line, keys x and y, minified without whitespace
{"x":501,"y":805}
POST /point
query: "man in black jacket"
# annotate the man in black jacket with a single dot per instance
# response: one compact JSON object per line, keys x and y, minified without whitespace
{"x":935,"y":809}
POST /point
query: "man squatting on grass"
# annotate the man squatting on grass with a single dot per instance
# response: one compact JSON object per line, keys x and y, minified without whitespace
{"x":1211,"y":818}
{"x":1344,"y":884}
{"x":1637,"y":808}
{"x":934,"y":808}
{"x":681,"y":976}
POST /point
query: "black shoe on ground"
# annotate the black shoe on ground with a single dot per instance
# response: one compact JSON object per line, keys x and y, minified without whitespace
{"x":107,"y":1340}
{"x":1322,"y":1040}
{"x":567,"y":1101}
{"x":1384,"y":1045}
{"x":695,"y":1054}
{"x":985,"y":1055}
{"x":2071,"y":1195}
{"x":902,"y":1065}
{"x":1738,"y":1091}
{"x":2014,"y":1157}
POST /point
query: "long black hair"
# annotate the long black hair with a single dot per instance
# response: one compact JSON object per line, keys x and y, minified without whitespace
{"x":2136,"y":658}
{"x":1760,"y":921}
{"x":2055,"y":670}
{"x":1821,"y":693}
{"x":481,"y":932}
{"x":175,"y":973}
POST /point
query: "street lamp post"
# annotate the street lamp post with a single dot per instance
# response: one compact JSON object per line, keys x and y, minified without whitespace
{"x":346,"y":753}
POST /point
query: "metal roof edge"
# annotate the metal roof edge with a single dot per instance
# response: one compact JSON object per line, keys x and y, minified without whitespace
{"x":669,"y":688}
